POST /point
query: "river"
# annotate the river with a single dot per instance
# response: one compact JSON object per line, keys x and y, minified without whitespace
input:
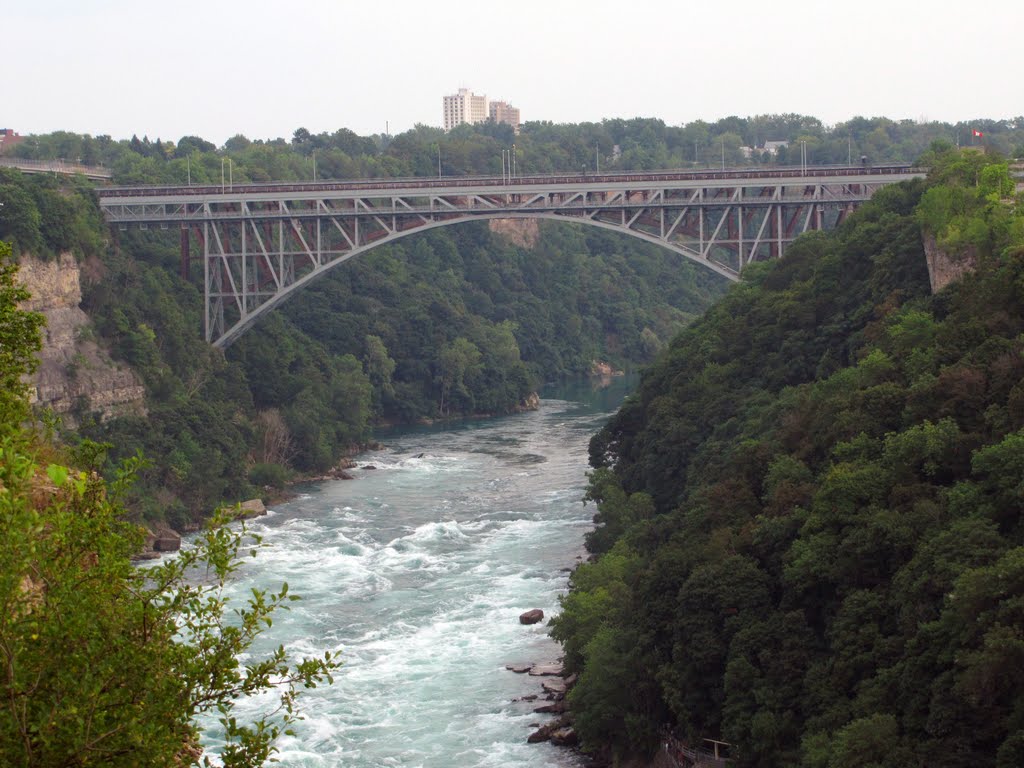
{"x":416,"y":571}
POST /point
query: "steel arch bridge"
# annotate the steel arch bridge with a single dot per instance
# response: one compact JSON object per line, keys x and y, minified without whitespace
{"x":260,"y":243}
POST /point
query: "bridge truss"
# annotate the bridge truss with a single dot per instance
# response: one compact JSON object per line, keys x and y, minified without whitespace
{"x":261,"y":243}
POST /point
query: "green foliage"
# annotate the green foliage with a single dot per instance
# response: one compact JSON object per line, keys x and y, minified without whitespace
{"x":19,"y":342}
{"x":41,"y":216}
{"x":269,"y":475}
{"x":104,"y":663}
{"x":542,"y":147}
{"x":829,"y":572}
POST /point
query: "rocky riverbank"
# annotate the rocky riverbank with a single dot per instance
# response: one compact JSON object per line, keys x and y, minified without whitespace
{"x":555,"y":685}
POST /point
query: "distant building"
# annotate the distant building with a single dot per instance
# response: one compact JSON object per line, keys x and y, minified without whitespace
{"x":773,"y":147}
{"x":503,"y":112}
{"x":8,"y":138}
{"x":468,"y":107}
{"x":464,"y":107}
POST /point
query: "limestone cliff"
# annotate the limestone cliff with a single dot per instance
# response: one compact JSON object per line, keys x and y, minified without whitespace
{"x":75,"y":375}
{"x":945,"y":268}
{"x":522,"y":232}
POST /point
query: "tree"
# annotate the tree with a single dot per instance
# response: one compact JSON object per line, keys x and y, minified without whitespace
{"x":103,"y":663}
{"x":457,"y":361}
{"x":106,"y":664}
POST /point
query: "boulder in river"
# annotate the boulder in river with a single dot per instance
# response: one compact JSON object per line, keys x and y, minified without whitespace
{"x":555,"y":708}
{"x":519,"y":668}
{"x":564,"y":737}
{"x":555,"y":685}
{"x":165,"y":539}
{"x":546,"y":732}
{"x":251,"y":508}
{"x":531,"y":617}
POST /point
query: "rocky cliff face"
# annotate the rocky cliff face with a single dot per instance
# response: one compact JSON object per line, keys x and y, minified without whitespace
{"x":945,"y":268}
{"x":522,"y":232}
{"x":75,"y":375}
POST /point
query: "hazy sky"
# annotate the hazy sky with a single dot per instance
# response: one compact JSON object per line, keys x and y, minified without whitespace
{"x":220,"y":67}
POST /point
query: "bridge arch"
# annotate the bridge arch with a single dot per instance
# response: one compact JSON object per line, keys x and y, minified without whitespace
{"x":245,"y":322}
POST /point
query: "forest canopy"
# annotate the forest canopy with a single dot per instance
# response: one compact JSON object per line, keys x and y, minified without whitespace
{"x":809,"y":515}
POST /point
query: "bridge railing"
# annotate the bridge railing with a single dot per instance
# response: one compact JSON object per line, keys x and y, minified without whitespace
{"x":447,"y":182}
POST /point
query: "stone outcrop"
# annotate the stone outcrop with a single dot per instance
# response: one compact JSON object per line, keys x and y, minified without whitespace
{"x":555,"y":686}
{"x":250,"y":509}
{"x":945,"y":268}
{"x":522,"y":232}
{"x":546,"y":670}
{"x":75,"y":375}
{"x":163,"y":538}
{"x":602,"y":369}
{"x":531,"y":617}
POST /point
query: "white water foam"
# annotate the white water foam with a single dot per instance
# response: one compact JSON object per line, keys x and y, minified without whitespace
{"x":415,"y":573}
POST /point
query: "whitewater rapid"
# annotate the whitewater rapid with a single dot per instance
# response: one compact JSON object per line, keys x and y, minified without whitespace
{"x":415,"y":573}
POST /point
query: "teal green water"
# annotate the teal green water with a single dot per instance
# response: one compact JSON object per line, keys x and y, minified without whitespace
{"x":416,"y":571}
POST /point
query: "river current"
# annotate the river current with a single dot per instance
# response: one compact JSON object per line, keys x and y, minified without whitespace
{"x":415,"y":573}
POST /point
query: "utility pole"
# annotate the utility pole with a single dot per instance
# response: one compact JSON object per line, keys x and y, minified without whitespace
{"x":314,"y":165}
{"x":597,"y":157}
{"x":723,"y":154}
{"x":439,"y":161}
{"x":513,"y":161}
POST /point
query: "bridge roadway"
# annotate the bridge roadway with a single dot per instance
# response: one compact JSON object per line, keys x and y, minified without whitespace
{"x":94,"y":172}
{"x":261,"y":242}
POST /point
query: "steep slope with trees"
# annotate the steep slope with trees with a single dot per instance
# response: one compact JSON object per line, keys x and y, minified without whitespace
{"x":808,"y":536}
{"x":102,"y":663}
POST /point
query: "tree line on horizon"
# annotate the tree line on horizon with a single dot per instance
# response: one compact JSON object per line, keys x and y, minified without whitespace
{"x":541,"y":147}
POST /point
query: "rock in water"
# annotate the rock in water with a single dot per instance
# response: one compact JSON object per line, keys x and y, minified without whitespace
{"x":553,"y":686}
{"x":541,"y":670}
{"x":165,"y":539}
{"x":519,"y":668}
{"x":564,"y":737}
{"x":531,"y":617}
{"x":251,"y":508}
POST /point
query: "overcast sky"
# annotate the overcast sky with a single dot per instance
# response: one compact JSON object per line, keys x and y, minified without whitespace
{"x":219,"y":67}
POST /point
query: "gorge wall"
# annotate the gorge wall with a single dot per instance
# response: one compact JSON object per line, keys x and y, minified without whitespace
{"x":75,"y":375}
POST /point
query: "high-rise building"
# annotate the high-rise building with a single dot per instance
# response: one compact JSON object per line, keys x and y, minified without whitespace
{"x":464,"y":107}
{"x":503,"y":112}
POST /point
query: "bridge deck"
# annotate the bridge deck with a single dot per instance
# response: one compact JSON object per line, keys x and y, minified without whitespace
{"x":463,"y":185}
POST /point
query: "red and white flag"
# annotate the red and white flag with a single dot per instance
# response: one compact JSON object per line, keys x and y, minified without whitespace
{"x":976,"y":132}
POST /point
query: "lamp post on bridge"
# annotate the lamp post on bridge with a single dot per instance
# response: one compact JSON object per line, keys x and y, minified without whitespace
{"x":231,"y":181}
